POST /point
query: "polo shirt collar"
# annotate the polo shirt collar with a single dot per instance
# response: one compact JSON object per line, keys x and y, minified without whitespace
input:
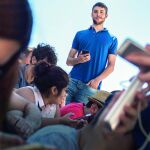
{"x":92,"y":28}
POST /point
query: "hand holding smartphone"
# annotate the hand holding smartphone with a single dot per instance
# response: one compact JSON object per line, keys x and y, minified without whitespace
{"x":84,"y":56}
{"x":85,"y":52}
{"x":111,"y":117}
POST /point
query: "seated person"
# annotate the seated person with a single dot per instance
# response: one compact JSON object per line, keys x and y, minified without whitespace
{"x":41,"y":52}
{"x":79,"y":110}
{"x":23,"y":63}
{"x":50,"y":89}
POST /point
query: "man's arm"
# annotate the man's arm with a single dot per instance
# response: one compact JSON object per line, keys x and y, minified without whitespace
{"x":109,"y":69}
{"x":74,"y":58}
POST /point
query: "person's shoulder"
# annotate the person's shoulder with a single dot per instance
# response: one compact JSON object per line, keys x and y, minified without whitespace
{"x":82,"y":31}
{"x":111,"y":35}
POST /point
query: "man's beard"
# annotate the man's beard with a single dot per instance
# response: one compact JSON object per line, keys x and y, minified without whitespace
{"x":98,"y":23}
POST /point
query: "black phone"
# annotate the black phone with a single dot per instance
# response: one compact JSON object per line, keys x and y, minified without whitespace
{"x":111,"y":117}
{"x":85,"y":52}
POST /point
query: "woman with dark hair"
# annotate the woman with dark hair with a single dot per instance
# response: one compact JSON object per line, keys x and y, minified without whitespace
{"x":48,"y":93}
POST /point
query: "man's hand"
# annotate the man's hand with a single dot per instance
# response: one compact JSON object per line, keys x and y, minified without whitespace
{"x":130,"y":112}
{"x":128,"y":119}
{"x":82,"y":58}
{"x":67,"y":121}
{"x":93,"y":83}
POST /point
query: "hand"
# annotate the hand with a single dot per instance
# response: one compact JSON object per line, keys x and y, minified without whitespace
{"x":9,"y":140}
{"x":129,"y":117}
{"x":67,"y":121}
{"x":144,"y":62}
{"x":82,"y":123}
{"x":93,"y":83}
{"x":82,"y":58}
{"x":129,"y":114}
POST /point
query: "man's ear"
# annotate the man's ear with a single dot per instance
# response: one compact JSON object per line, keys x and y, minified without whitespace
{"x":54,"y":90}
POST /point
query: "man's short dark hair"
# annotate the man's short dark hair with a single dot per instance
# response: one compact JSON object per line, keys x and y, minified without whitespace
{"x":45,"y":51}
{"x":100,"y":4}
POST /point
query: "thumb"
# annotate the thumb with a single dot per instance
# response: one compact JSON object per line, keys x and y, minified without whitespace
{"x":69,"y":114}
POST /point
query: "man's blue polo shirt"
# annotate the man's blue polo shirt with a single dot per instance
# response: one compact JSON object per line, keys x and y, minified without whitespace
{"x":100,"y":45}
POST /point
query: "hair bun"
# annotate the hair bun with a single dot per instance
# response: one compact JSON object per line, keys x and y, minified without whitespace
{"x":41,"y":68}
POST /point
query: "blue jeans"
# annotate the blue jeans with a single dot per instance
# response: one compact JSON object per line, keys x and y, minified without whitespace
{"x":79,"y":92}
{"x":60,"y":136}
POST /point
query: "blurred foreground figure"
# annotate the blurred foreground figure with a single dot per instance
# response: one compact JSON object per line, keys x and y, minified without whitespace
{"x":15,"y":31}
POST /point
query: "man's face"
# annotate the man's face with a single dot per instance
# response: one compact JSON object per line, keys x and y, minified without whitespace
{"x":7,"y":49}
{"x":98,"y":15}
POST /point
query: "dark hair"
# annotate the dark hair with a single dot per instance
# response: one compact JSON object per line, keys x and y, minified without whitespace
{"x":16,"y":21}
{"x":28,"y":51}
{"x":100,"y":4}
{"x":45,"y":51}
{"x":47,"y":76}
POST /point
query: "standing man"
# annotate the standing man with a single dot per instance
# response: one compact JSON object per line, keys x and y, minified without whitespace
{"x":89,"y":67}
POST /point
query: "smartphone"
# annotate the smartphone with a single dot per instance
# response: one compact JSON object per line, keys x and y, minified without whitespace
{"x":111,"y":117}
{"x":85,"y":52}
{"x":87,"y":117}
{"x":130,"y":47}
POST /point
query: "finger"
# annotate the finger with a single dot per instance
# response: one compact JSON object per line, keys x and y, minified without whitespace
{"x":145,"y":76}
{"x":130,"y":112}
{"x":142,"y":100}
{"x":139,"y":59}
{"x":69,"y":114}
{"x":125,"y":124}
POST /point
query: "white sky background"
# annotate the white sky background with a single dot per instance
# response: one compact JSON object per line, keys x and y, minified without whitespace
{"x":56,"y":22}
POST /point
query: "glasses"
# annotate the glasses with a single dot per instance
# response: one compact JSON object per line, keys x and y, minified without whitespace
{"x":4,"y":68}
